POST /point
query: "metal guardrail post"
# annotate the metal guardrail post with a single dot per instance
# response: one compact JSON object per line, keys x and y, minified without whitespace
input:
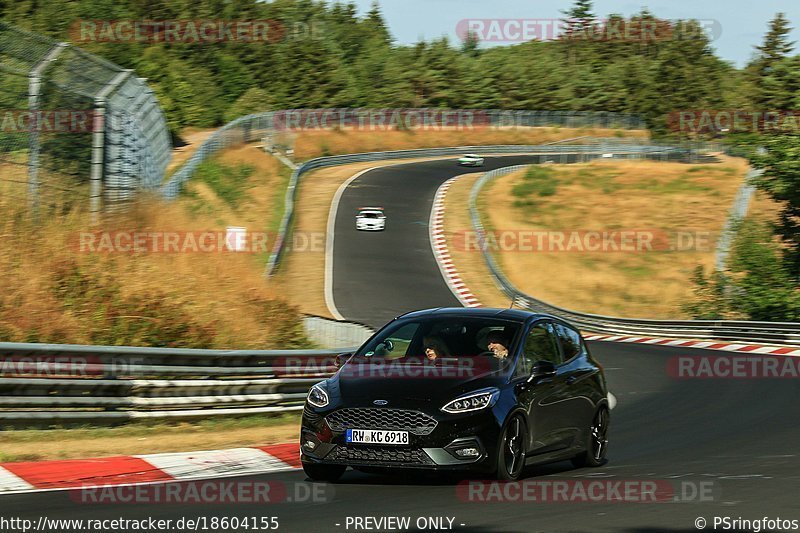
{"x":34,"y":88}
{"x":98,"y":143}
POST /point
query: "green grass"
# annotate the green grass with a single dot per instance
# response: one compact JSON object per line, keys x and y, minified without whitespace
{"x":229,"y":183}
{"x":537,"y":182}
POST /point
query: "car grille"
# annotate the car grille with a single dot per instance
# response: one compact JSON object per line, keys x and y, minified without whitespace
{"x":377,"y":455}
{"x":368,"y":418}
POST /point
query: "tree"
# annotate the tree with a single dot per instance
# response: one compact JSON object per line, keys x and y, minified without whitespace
{"x":375,"y":24}
{"x":471,"y":44}
{"x":781,"y":181}
{"x":579,"y":20}
{"x":775,"y":48}
{"x":776,"y":45}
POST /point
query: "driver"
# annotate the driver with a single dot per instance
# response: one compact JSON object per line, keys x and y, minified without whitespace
{"x":498,"y":344}
{"x":434,"y":347}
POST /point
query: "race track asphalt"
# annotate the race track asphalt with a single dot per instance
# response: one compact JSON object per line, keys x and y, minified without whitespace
{"x":379,"y":275}
{"x":737,"y":439}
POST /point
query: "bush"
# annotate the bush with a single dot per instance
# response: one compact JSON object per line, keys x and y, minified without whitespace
{"x":94,"y":298}
{"x":757,"y":287}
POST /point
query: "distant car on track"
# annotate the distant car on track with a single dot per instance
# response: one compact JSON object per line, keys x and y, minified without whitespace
{"x":470,"y":160}
{"x":507,"y":388}
{"x":371,"y":219}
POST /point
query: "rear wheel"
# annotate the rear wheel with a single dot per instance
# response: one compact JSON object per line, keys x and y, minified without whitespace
{"x":597,"y":444}
{"x":511,"y":454}
{"x":318,"y":472}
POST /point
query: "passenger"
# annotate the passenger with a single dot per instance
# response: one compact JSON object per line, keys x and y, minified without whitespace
{"x":498,"y":344}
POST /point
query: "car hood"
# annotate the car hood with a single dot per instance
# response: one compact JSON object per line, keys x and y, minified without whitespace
{"x":359,"y":382}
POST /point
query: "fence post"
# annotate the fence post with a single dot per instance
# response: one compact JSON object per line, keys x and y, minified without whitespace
{"x":34,"y":89}
{"x":98,"y":143}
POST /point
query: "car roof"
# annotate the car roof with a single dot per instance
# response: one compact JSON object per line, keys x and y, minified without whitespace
{"x":516,"y":315}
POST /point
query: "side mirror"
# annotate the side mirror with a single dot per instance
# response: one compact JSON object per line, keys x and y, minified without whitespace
{"x":542,"y":369}
{"x":341,"y":359}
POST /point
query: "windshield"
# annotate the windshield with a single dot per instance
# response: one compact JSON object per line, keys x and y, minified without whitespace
{"x":442,"y":340}
{"x":370,"y":214}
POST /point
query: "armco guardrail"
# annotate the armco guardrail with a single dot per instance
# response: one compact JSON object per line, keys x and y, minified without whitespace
{"x":723,"y":330}
{"x":52,"y":384}
{"x":333,"y":333}
{"x":552,"y":152}
{"x":260,"y":125}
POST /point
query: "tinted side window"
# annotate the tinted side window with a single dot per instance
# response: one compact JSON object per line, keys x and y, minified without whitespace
{"x":570,"y":340}
{"x":401,"y":340}
{"x":540,"y":345}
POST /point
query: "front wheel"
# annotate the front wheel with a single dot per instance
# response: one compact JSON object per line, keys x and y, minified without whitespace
{"x":318,"y":472}
{"x":511,"y":453}
{"x":597,"y":445}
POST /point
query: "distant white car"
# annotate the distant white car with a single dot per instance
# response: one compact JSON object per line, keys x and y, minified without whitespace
{"x":470,"y":160}
{"x":370,"y":219}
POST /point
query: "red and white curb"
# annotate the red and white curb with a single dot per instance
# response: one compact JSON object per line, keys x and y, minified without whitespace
{"x":439,"y":245}
{"x":140,"y":469}
{"x":708,"y":345}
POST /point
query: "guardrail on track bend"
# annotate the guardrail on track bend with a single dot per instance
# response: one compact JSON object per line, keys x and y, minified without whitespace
{"x":722,"y":330}
{"x":46,"y":384}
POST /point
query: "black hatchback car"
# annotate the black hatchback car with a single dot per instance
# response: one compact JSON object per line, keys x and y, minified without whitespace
{"x":486,"y":391}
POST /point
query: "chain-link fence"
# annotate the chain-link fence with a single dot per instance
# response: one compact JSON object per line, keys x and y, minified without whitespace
{"x":74,"y":125}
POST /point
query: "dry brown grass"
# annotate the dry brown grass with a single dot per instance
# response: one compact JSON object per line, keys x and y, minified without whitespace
{"x":310,"y":144}
{"x":612,"y":195}
{"x":225,"y":294}
{"x":137,"y":439}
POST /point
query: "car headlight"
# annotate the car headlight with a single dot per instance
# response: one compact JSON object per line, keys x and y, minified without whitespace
{"x":474,"y":401}
{"x":318,"y":396}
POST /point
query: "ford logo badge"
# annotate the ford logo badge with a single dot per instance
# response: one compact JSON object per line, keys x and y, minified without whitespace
{"x":380,"y":402}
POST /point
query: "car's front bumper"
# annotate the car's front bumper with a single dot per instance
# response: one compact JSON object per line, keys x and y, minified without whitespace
{"x":322,"y":443}
{"x":364,"y":227}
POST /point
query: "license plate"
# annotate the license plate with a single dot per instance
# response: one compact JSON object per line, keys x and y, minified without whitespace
{"x":376,"y":436}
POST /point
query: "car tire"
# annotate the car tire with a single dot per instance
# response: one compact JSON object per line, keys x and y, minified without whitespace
{"x":318,"y":472}
{"x":511,"y":451}
{"x":596,"y":441}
